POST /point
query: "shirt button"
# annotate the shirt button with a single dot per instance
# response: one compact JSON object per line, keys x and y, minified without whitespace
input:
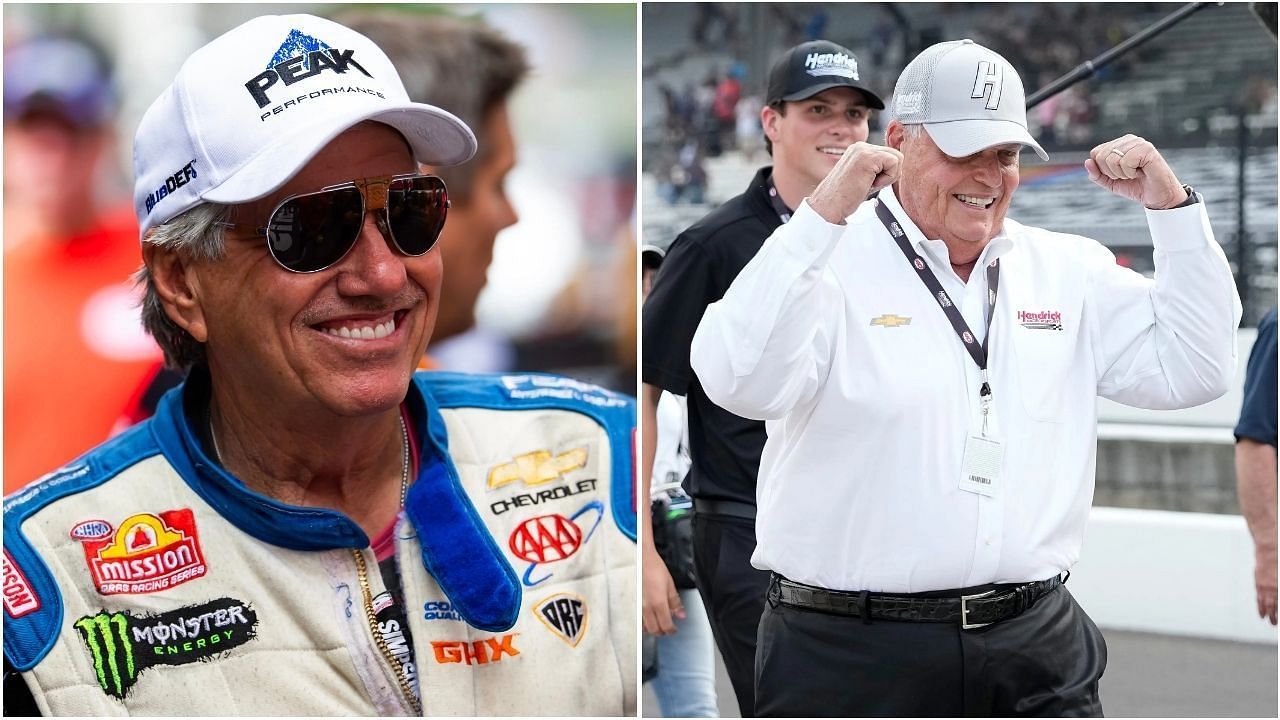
{"x":988,"y":541}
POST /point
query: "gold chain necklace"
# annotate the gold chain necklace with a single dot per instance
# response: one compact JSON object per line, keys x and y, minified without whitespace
{"x":362,"y":571}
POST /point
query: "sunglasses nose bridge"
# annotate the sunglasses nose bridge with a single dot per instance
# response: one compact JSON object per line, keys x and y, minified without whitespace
{"x":374,"y":191}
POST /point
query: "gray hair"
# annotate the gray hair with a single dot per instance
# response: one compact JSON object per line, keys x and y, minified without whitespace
{"x":195,"y":236}
{"x":914,"y":131}
{"x":462,"y":66}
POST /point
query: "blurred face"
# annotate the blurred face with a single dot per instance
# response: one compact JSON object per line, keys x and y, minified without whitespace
{"x":50,"y":167}
{"x":963,"y":200}
{"x":473,"y":226}
{"x":813,"y":133}
{"x":273,"y":336}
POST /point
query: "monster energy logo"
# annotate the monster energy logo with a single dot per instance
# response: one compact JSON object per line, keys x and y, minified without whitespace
{"x":108,"y":639}
{"x":122,"y":645}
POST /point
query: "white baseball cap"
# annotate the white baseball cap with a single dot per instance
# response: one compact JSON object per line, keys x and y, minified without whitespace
{"x":250,"y":109}
{"x":967,"y":97}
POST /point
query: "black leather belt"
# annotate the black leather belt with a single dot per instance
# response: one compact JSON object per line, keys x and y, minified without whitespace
{"x":970,"y":611}
{"x":732,"y":508}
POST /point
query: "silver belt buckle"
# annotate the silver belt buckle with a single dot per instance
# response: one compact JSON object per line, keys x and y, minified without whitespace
{"x":964,"y":610}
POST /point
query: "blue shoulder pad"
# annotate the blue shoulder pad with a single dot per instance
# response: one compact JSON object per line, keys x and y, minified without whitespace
{"x":615,"y":411}
{"x":32,"y":599}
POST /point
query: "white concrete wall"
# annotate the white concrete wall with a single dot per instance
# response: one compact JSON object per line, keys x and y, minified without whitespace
{"x":1175,"y":573}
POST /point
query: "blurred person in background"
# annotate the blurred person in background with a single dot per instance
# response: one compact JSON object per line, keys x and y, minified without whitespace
{"x":1256,"y":461}
{"x":685,"y":684}
{"x":75,"y":354}
{"x":432,"y":52}
{"x":817,"y":106}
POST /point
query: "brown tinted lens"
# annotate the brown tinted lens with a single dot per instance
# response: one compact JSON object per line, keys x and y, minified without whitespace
{"x":416,"y":209}
{"x":312,"y":232}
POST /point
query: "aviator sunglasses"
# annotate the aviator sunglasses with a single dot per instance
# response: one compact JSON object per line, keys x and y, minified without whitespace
{"x":313,"y":231}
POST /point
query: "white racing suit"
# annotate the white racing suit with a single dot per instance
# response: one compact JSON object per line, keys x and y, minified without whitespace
{"x":142,"y":579}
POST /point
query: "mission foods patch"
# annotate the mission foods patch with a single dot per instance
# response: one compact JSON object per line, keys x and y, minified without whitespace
{"x":122,"y":645}
{"x":147,"y":553}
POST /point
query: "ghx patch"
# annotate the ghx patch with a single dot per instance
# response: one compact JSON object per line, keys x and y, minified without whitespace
{"x":564,"y":614}
{"x":122,"y":645}
{"x":478,"y":652}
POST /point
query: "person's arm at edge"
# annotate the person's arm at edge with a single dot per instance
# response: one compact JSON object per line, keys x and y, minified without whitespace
{"x":661,"y":599}
{"x":1256,"y":485}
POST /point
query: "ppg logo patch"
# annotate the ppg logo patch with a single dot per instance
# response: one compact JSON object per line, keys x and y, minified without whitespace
{"x":564,"y":614}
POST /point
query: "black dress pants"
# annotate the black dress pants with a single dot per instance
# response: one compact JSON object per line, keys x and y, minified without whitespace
{"x":733,"y":593}
{"x":1045,"y":662}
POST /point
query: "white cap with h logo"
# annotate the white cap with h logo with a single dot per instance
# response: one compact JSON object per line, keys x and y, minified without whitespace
{"x":967,"y":97}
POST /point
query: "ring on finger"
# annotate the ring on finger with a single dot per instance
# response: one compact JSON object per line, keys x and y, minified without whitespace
{"x":1117,"y":151}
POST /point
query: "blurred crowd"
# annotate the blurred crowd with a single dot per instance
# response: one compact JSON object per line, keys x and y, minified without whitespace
{"x":718,"y":112}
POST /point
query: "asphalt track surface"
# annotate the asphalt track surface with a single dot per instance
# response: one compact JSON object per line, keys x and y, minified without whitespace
{"x":1148,"y":676}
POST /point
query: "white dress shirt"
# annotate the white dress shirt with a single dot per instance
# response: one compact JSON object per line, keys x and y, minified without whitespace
{"x":868,"y":417}
{"x":670,"y":455}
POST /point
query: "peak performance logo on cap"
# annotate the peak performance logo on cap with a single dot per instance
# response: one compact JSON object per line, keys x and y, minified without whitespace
{"x":299,"y":57}
{"x":249,"y":109}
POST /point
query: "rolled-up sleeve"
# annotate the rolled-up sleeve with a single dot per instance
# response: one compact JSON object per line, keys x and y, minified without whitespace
{"x":1167,"y":343}
{"x":767,"y":344}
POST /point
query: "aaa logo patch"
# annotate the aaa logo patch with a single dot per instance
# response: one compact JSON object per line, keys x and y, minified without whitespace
{"x":551,"y":538}
{"x":148,"y":553}
{"x":122,"y":645}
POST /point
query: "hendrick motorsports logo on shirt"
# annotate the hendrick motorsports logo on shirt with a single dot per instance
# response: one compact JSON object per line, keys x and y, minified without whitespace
{"x":1043,"y":320}
{"x":148,"y":553}
{"x":122,"y":645}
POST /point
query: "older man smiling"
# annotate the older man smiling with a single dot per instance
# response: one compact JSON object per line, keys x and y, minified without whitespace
{"x":928,"y":371}
{"x":268,"y":542}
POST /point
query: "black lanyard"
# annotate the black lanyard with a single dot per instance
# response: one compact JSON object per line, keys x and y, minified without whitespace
{"x":977,"y":350}
{"x":784,"y":212}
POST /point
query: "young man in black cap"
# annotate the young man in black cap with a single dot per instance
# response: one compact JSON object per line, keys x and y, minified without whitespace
{"x":816,"y":107}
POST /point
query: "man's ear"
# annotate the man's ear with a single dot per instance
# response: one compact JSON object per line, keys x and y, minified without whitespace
{"x":178,"y":289}
{"x":769,"y":120}
{"x":895,"y":135}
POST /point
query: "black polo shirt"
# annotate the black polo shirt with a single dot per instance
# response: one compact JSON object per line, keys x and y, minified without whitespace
{"x":700,"y":264}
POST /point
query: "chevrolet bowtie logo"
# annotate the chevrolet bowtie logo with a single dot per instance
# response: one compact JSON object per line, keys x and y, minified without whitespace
{"x":890,"y":321}
{"x":537,"y":467}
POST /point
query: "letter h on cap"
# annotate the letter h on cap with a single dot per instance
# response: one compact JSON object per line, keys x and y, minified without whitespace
{"x":988,"y":79}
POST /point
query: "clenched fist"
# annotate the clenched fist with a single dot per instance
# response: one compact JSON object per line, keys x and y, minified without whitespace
{"x":863,"y":169}
{"x":1132,"y":168}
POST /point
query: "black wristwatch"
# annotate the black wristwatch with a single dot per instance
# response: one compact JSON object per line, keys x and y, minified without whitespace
{"x":1192,"y":198}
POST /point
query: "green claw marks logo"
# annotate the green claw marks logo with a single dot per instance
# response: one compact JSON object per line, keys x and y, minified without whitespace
{"x":123,"y":645}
